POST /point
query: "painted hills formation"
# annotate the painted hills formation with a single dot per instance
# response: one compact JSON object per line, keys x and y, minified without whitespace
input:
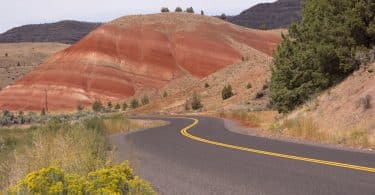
{"x":131,"y":54}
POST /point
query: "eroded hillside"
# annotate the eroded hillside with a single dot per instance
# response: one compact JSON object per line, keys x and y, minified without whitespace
{"x":133,"y":54}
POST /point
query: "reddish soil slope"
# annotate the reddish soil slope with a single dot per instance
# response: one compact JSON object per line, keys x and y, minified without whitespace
{"x":131,"y":54}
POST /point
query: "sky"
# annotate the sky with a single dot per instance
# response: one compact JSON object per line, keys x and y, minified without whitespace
{"x":20,"y":12}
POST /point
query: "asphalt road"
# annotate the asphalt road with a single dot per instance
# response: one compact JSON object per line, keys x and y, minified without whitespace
{"x":178,"y":164}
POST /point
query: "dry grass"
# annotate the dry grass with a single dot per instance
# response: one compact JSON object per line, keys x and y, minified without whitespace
{"x":267,"y":123}
{"x":76,"y":146}
{"x":258,"y":119}
{"x":306,"y":129}
{"x":17,"y":59}
{"x":119,"y":124}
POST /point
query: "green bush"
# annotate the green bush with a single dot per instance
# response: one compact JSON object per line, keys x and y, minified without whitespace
{"x":190,"y":10}
{"x":248,"y":86}
{"x":223,"y":16}
{"x":124,"y":106}
{"x":227,"y":92}
{"x":134,"y":103}
{"x":118,"y":179}
{"x":196,"y":102}
{"x":145,"y":100}
{"x":165,"y":94}
{"x":97,"y":106}
{"x":117,"y":106}
{"x":21,"y":117}
{"x":7,"y":113}
{"x":178,"y":9}
{"x":109,"y":105}
{"x":206,"y":85}
{"x":259,"y":95}
{"x":80,"y":108}
{"x":320,"y":49}
{"x":43,"y":112}
{"x":164,"y":10}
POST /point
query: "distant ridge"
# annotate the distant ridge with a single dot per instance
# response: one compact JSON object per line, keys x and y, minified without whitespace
{"x":66,"y":31}
{"x":279,"y":14}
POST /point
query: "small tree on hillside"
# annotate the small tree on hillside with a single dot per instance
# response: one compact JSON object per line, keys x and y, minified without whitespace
{"x":223,"y":16}
{"x":227,"y":92}
{"x":178,"y":9}
{"x":164,"y":10}
{"x":196,"y":102}
{"x":202,"y":12}
{"x":109,"y":105}
{"x":190,"y":10}
{"x":248,"y":86}
{"x":165,"y":94}
{"x":6,"y":54}
{"x":97,"y":106}
{"x":21,"y":117}
{"x":134,"y":103}
{"x":145,"y":100}
{"x":80,"y":108}
{"x":43,"y":112}
{"x":117,"y":107}
{"x":6,"y":113}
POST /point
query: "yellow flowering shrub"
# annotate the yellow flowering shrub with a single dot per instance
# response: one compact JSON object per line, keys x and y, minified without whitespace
{"x":118,"y":179}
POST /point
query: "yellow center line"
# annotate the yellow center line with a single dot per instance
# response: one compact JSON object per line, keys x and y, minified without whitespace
{"x":185,"y":133}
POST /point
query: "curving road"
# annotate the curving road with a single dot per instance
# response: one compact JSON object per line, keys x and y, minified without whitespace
{"x":200,"y":156}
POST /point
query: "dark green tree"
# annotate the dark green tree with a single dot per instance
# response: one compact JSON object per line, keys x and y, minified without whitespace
{"x":6,"y":113}
{"x":43,"y":112}
{"x":196,"y":102}
{"x":165,"y":94}
{"x":145,"y":100}
{"x":97,"y":106}
{"x":190,"y":10}
{"x":320,"y":49}
{"x":117,"y":106}
{"x":178,"y":9}
{"x":223,"y":16}
{"x":124,"y":106}
{"x":21,"y":117}
{"x":110,"y":105}
{"x":134,"y":103}
{"x":226,"y":92}
{"x":164,"y":10}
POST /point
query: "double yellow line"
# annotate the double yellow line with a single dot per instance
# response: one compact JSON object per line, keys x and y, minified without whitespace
{"x":185,"y":133}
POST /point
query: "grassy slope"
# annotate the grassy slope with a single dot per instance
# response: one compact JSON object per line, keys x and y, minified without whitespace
{"x":27,"y":55}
